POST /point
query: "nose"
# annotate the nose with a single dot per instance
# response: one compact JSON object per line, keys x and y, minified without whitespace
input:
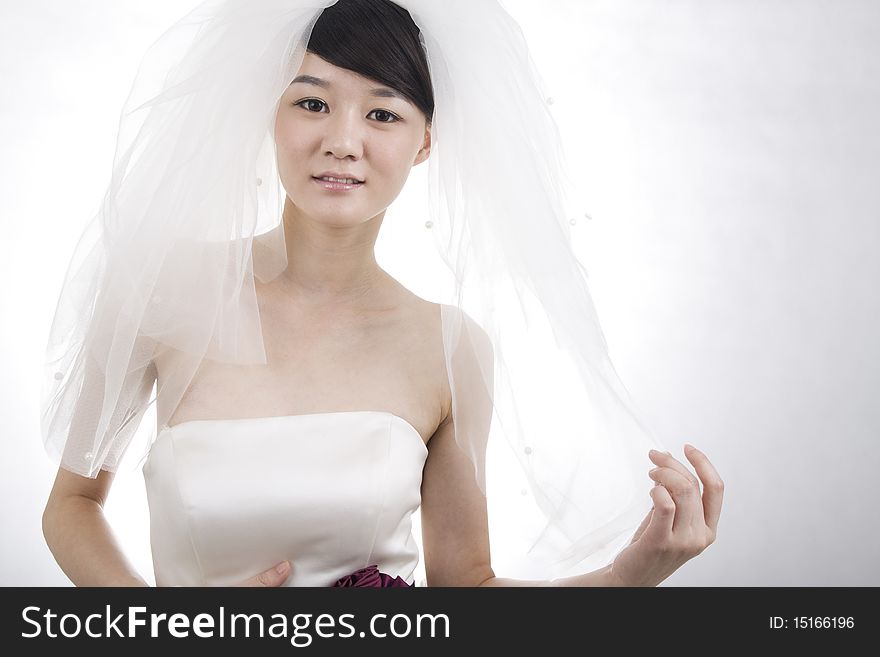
{"x":344,"y":137}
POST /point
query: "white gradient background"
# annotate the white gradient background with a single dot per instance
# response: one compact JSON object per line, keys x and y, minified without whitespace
{"x":729,"y":159}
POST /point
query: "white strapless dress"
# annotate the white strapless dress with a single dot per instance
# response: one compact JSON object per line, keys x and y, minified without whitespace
{"x":330,"y":492}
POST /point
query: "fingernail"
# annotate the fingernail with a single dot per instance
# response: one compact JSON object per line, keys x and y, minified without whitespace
{"x":282,"y":567}
{"x":689,"y":446}
{"x":653,"y":452}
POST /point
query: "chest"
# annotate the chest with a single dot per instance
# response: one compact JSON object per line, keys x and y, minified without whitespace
{"x":319,"y":364}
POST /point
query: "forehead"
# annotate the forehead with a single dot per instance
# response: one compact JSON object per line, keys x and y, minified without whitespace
{"x":319,"y":72}
{"x":315,"y":66}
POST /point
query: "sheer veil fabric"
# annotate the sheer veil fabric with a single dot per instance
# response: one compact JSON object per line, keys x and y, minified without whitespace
{"x":192,"y":216}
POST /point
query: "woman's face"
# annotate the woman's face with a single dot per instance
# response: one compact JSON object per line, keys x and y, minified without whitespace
{"x":334,"y":122}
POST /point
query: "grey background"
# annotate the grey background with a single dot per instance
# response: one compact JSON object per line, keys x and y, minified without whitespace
{"x":729,"y":159}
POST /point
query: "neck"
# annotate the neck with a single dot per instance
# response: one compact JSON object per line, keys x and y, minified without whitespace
{"x":329,"y":264}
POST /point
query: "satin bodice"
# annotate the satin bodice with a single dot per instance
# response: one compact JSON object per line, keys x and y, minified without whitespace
{"x":330,"y":492}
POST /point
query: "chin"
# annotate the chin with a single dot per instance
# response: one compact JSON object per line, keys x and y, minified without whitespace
{"x":337,"y":218}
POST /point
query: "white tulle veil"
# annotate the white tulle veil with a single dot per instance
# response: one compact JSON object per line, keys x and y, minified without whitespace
{"x":192,"y":216}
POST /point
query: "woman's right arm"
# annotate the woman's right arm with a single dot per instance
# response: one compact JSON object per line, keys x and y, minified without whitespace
{"x":81,"y":539}
{"x":79,"y":536}
{"x":84,"y":545}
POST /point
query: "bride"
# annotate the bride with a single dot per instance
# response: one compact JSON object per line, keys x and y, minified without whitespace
{"x":365,"y":402}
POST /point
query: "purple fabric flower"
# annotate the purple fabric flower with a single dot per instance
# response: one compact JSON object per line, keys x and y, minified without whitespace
{"x":371,"y":577}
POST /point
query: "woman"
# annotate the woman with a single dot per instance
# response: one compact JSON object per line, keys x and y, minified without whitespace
{"x":308,"y":402}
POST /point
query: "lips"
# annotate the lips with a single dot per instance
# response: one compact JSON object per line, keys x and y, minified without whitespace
{"x":337,"y":186}
{"x":341,"y":181}
{"x":339,"y":176}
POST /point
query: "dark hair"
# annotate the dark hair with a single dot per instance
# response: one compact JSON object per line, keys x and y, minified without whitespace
{"x":379,"y":40}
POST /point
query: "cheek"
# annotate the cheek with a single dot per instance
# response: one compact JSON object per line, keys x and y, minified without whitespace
{"x":395,"y":157}
{"x":287,"y":140}
{"x":290,"y":134}
{"x":291,"y":152}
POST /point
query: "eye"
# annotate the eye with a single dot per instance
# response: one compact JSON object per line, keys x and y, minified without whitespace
{"x":379,"y":112}
{"x":308,"y":100}
{"x":386,"y":112}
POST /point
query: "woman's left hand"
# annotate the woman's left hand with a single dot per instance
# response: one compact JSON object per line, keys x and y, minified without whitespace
{"x":681,"y":524}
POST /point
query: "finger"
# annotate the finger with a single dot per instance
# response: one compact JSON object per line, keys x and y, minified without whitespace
{"x":660,"y":528}
{"x":713,"y":486}
{"x":645,"y":522}
{"x":273,"y":577}
{"x":669,"y":461}
{"x":696,"y":519}
{"x":685,"y":494}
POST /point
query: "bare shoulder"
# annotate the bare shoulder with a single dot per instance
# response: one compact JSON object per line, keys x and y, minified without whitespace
{"x":473,"y":351}
{"x":424,"y":318}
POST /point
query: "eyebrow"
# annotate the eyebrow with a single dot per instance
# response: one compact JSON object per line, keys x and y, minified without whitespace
{"x":380,"y":92}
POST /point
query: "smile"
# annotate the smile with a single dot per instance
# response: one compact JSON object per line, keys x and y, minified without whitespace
{"x":334,"y":186}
